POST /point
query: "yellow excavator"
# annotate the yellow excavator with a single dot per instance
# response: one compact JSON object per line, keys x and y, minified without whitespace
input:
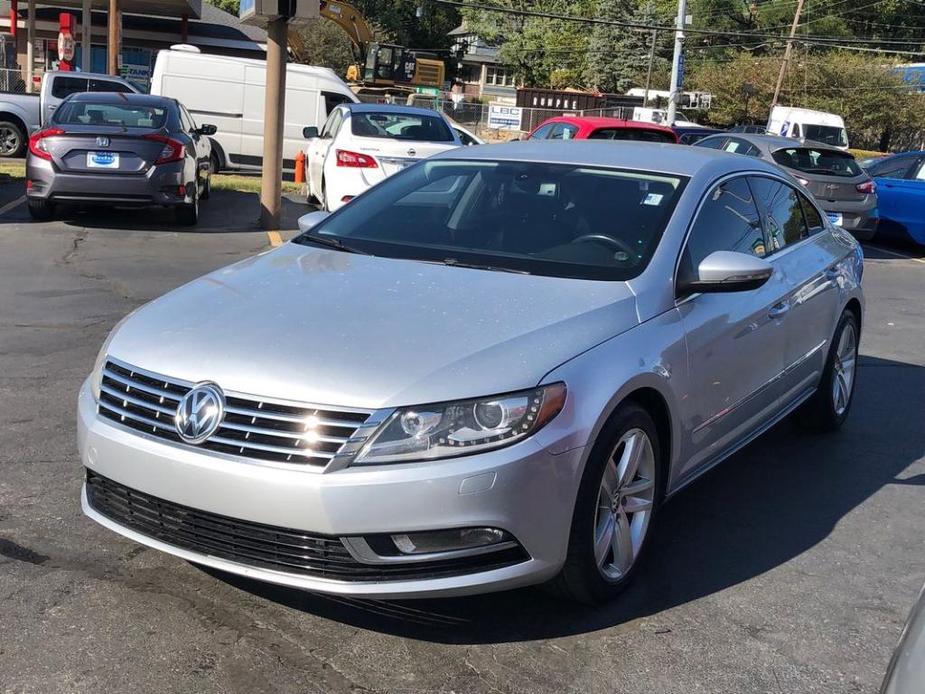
{"x":380,"y":68}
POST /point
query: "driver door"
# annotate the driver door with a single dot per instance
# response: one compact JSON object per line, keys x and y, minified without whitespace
{"x":735,"y":340}
{"x":317,"y":150}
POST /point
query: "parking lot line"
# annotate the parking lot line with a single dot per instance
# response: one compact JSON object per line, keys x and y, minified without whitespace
{"x":897,"y":255}
{"x":275,"y":238}
{"x":12,"y":205}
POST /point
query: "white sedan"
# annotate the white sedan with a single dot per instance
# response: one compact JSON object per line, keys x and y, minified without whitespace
{"x":362,"y":144}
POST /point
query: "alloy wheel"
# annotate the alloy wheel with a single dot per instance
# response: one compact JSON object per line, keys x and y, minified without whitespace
{"x":9,"y":141}
{"x":844,"y":367}
{"x":625,"y":503}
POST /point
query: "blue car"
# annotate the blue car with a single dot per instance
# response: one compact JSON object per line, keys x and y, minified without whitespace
{"x":900,"y":182}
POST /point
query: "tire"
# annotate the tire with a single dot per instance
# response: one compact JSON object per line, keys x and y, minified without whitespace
{"x":188,"y":215}
{"x":12,"y":139}
{"x":324,"y":196}
{"x":591,"y":576}
{"x":828,"y":408}
{"x":41,"y":210}
{"x":207,"y":184}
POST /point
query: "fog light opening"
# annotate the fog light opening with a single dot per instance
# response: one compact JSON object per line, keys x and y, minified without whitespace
{"x":448,"y":540}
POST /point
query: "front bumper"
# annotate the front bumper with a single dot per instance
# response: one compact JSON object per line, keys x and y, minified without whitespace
{"x":523,"y":490}
{"x":160,"y":185}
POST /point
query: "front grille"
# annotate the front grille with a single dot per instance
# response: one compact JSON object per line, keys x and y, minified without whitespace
{"x":265,"y":546}
{"x":250,"y":428}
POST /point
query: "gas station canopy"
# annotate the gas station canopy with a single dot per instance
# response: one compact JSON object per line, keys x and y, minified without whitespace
{"x":159,"y":8}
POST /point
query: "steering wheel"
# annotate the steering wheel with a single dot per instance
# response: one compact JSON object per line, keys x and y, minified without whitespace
{"x":607,"y":240}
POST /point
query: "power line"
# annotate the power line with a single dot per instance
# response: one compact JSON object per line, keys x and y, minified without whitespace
{"x":640,"y":26}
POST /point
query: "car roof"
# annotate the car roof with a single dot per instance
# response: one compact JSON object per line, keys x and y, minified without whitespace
{"x":680,"y":160}
{"x":122,"y":98}
{"x":607,"y":122}
{"x":391,"y":108}
{"x":772,"y":143}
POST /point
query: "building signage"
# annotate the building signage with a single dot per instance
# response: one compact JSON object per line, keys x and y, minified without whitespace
{"x":504,"y":117}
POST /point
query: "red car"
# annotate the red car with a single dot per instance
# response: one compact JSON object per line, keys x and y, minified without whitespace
{"x":600,"y":128}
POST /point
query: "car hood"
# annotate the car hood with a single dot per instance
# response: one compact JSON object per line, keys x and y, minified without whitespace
{"x":332,"y":328}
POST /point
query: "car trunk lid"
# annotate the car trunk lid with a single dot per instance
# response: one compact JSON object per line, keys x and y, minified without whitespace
{"x":105,"y":150}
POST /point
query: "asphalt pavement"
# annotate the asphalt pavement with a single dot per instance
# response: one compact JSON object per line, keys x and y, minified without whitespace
{"x":790,"y":568}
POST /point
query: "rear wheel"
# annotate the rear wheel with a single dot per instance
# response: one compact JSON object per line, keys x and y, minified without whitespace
{"x":613,"y":512}
{"x":207,"y":183}
{"x":12,"y":139}
{"x":828,"y":408}
{"x":41,"y":210}
{"x":188,"y":215}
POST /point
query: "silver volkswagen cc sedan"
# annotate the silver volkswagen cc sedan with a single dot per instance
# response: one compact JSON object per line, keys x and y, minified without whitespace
{"x":486,"y":372}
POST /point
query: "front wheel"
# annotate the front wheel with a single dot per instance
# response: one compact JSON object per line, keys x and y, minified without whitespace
{"x":616,"y":501}
{"x":12,"y":139}
{"x":828,"y":408}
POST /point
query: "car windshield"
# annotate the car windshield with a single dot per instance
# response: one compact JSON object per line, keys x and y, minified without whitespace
{"x":558,"y":220}
{"x":400,"y":126}
{"x":826,"y":134}
{"x":118,"y":115}
{"x":639,"y":134}
{"x":811,"y":160}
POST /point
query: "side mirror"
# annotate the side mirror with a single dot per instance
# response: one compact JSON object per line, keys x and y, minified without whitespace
{"x":729,"y":271}
{"x":307,"y":221}
{"x":310,"y":132}
{"x":207,"y":129}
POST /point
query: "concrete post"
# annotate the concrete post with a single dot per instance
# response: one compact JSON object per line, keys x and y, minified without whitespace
{"x":677,"y":64}
{"x":86,"y":37}
{"x":271,"y":182}
{"x":30,"y":45}
{"x":114,"y":21}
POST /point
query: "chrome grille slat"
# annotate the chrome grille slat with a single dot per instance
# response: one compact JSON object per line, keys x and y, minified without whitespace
{"x":254,"y":429}
{"x":122,"y":395}
{"x":135,"y":385}
{"x":147,"y":402}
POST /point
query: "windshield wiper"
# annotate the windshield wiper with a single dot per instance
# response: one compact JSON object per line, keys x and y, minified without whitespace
{"x":455,"y":262}
{"x":331,"y":242}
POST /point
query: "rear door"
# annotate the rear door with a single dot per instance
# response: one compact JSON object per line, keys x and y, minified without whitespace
{"x":735,"y":340}
{"x":807,"y":255}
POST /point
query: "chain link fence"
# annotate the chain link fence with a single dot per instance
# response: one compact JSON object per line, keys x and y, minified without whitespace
{"x":11,"y":81}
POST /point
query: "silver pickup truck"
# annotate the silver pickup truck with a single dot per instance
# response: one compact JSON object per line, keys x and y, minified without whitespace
{"x":23,"y":114}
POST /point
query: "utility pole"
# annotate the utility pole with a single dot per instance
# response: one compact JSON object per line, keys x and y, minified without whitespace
{"x":786,"y":60}
{"x":114,"y":26}
{"x":645,"y":99}
{"x":271,"y":183}
{"x":677,"y":64}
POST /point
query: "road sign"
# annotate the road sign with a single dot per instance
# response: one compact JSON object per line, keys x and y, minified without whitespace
{"x":504,"y":117}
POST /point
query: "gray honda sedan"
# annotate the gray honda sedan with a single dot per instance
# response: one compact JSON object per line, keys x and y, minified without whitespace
{"x":488,"y":371}
{"x":120,"y":149}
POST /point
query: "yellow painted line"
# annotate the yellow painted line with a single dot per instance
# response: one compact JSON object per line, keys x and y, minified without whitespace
{"x":897,"y":255}
{"x":12,"y":205}
{"x":275,"y":238}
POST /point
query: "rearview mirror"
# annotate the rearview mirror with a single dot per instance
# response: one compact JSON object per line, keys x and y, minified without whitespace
{"x":307,"y":221}
{"x":310,"y":132}
{"x":730,"y":271}
{"x":207,"y":129}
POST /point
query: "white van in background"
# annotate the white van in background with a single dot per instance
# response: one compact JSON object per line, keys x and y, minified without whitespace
{"x":804,"y":123}
{"x":229,"y":93}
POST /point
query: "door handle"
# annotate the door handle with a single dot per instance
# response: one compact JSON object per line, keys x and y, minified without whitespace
{"x":779,"y":310}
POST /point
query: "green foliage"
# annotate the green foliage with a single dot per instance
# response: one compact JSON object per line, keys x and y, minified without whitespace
{"x":400,"y":24}
{"x":879,"y":112}
{"x":230,"y":6}
{"x":324,"y":43}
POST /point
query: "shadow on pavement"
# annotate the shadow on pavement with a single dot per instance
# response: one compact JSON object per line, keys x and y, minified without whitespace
{"x":769,"y":503}
{"x":225,"y":211}
{"x":883,"y":248}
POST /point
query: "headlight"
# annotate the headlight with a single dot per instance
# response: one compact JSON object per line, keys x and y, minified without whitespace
{"x":460,"y":428}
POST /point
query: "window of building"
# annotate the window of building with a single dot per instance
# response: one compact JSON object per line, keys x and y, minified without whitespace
{"x":499,"y":76}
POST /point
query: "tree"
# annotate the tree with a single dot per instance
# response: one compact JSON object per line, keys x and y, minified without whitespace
{"x":230,"y":6}
{"x":322,"y":43}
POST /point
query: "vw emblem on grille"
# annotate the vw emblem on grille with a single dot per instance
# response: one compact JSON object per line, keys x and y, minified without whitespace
{"x":199,"y":413}
{"x":411,"y":152}
{"x":102,"y":141}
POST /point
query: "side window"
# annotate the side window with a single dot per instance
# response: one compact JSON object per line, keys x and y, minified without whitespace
{"x":336,"y":125}
{"x":98,"y":85}
{"x":332,"y":100}
{"x":898,"y":167}
{"x":813,"y":218}
{"x":62,"y":87}
{"x":783,"y":212}
{"x":920,"y":174}
{"x":728,"y":221}
{"x":332,"y":123}
{"x":542,"y":133}
{"x":186,"y":121}
{"x":563,"y":131}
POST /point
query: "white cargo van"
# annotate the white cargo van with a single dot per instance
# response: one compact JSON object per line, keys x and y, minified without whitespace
{"x":806,"y":124}
{"x":228,"y":93}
